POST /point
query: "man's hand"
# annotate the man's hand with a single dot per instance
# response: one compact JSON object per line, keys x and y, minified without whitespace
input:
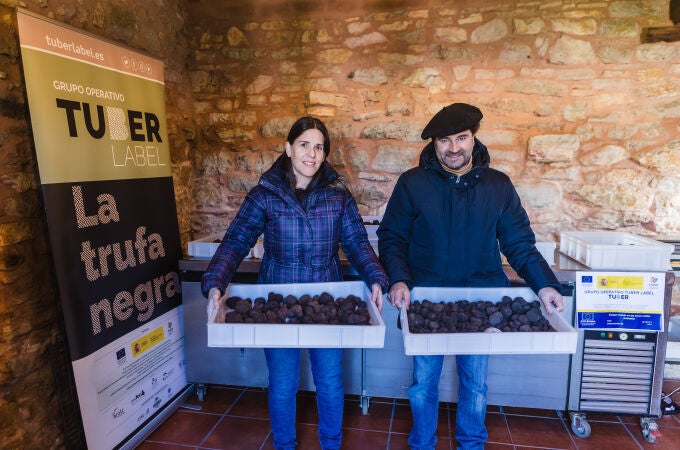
{"x":377,"y":296}
{"x":551,"y":299}
{"x":400,"y":295}
{"x":214,"y":296}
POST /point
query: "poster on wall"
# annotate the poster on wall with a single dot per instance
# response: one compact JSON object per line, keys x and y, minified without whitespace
{"x":620,"y":300}
{"x":99,"y":127}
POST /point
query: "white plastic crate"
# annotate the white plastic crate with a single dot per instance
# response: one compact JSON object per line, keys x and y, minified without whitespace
{"x":545,"y":248}
{"x":616,"y":250}
{"x":296,"y":335}
{"x":563,"y":340}
{"x":207,"y":246}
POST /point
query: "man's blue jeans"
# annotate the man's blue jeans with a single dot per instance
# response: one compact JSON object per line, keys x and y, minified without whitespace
{"x":284,"y":378}
{"x":471,"y":410}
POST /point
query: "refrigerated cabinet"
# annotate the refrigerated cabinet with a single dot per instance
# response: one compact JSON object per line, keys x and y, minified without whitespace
{"x":619,"y":372}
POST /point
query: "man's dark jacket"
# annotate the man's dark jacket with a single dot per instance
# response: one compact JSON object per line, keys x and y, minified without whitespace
{"x":443,"y":230}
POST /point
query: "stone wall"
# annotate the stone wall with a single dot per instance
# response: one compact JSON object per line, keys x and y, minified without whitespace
{"x":37,"y":409}
{"x":580,"y":113}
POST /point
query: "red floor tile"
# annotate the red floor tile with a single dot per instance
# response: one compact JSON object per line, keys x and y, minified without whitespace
{"x":238,"y":434}
{"x":607,"y":435}
{"x":189,"y":428}
{"x":378,"y":417}
{"x":306,"y":436}
{"x":497,"y":428}
{"x":251,"y":404}
{"x":353,"y":439}
{"x":539,"y":432}
{"x":217,"y":399}
{"x":306,"y":409}
{"x":160,"y":446}
{"x":399,"y":441}
{"x":234,"y":417}
{"x":402,"y":421}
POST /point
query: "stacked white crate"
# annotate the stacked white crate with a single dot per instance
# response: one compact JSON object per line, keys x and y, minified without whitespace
{"x":207,"y":246}
{"x":616,"y":250}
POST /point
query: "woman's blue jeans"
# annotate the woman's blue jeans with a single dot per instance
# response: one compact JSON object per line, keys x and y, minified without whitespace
{"x":471,"y":410}
{"x":284,"y":378}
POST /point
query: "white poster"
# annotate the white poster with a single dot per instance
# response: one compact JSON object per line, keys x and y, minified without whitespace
{"x":620,"y":300}
{"x":131,"y":379}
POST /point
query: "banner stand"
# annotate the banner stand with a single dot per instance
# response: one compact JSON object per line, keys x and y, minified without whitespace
{"x":97,"y":112}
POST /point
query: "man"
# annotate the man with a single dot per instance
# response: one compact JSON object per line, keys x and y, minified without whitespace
{"x":445,"y":225}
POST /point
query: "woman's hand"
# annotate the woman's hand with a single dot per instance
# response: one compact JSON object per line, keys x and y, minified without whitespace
{"x":214,"y":296}
{"x":377,"y":296}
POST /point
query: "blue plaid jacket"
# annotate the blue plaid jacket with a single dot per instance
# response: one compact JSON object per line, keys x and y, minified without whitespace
{"x":301,"y":239}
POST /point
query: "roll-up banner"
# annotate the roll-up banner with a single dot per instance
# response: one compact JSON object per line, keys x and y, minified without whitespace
{"x":99,"y":126}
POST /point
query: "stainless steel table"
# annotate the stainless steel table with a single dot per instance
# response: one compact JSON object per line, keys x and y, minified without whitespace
{"x":532,"y":381}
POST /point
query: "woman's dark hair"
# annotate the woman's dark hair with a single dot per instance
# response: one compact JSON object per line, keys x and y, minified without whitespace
{"x":300,"y":126}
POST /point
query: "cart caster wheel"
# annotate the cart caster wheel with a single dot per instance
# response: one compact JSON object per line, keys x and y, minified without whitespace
{"x":582,"y":431}
{"x":580,"y":426}
{"x":650,"y":430}
{"x":200,"y":392}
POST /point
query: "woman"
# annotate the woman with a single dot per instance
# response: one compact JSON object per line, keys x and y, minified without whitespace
{"x":304,"y":211}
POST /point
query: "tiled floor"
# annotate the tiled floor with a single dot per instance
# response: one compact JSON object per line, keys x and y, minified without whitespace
{"x":234,"y":417}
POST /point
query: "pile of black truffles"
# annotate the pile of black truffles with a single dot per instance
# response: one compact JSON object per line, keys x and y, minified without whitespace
{"x":317,"y":309}
{"x":477,"y":316}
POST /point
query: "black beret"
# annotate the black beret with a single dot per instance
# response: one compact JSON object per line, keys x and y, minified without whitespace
{"x":452,"y":119}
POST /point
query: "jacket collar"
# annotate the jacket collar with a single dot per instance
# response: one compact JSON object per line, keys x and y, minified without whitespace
{"x":275,"y":178}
